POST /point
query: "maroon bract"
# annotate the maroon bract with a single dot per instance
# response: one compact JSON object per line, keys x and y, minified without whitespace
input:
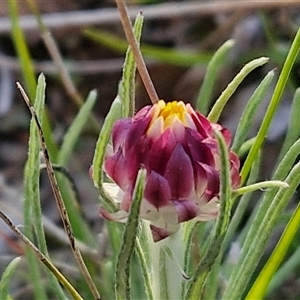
{"x":177,"y":147}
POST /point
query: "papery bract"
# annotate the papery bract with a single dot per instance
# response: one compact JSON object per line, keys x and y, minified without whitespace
{"x":177,"y":147}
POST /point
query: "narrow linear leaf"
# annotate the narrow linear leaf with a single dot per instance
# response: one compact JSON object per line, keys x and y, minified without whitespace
{"x":60,"y":203}
{"x":250,"y":111}
{"x":127,"y":84}
{"x":122,"y":285}
{"x":217,"y":109}
{"x":100,"y":150}
{"x":251,"y":255}
{"x":32,"y":207}
{"x":259,"y":186}
{"x":285,"y":270}
{"x":293,"y":132}
{"x":41,"y":257}
{"x":213,"y":250}
{"x":28,"y":73}
{"x":22,"y":49}
{"x":260,"y":286}
{"x":6,"y":277}
{"x":242,"y":204}
{"x":146,"y":273}
{"x":218,"y":59}
{"x":282,"y":80}
{"x":280,"y":174}
{"x":163,"y":54}
{"x":74,"y":131}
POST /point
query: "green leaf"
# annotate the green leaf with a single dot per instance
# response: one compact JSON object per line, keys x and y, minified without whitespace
{"x":6,"y":278}
{"x":255,"y":243}
{"x":218,"y":59}
{"x":113,"y":115}
{"x":217,"y":109}
{"x":32,"y":206}
{"x":122,"y":286}
{"x":143,"y":245}
{"x":127,"y":84}
{"x":22,"y":49}
{"x":74,"y":131}
{"x":213,"y":249}
{"x":293,"y":132}
{"x":283,"y":78}
{"x":250,"y":111}
{"x":32,"y":209}
{"x":27,"y":67}
{"x":260,"y":285}
{"x":163,"y":54}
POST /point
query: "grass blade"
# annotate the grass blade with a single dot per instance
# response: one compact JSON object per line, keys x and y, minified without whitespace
{"x":283,"y":78}
{"x":198,"y":280}
{"x":122,"y":285}
{"x":260,"y":286}
{"x":250,"y":110}
{"x":59,"y":201}
{"x":6,"y":277}
{"x":161,"y":54}
{"x":42,"y":258}
{"x":74,"y":131}
{"x":100,"y":150}
{"x":127,"y":84}
{"x":218,"y":59}
{"x":293,"y":132}
{"x":217,"y":109}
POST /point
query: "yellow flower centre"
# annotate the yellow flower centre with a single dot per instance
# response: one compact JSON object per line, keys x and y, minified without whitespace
{"x":172,"y":110}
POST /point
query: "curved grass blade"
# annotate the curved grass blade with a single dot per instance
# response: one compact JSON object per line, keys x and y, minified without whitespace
{"x":145,"y":269}
{"x":100,"y":150}
{"x":161,"y":54}
{"x":282,"y":80}
{"x":293,"y":132}
{"x":62,"y":279}
{"x":218,"y":59}
{"x":251,"y":255}
{"x":27,"y":68}
{"x":22,"y":49}
{"x":74,"y":131}
{"x":59,"y":201}
{"x":32,"y":206}
{"x":285,"y":270}
{"x":260,"y":286}
{"x":32,"y":210}
{"x":127,"y":84}
{"x":250,"y":110}
{"x":122,"y":285}
{"x":6,"y":277}
{"x":213,"y":250}
{"x":242,"y":204}
{"x":217,"y":109}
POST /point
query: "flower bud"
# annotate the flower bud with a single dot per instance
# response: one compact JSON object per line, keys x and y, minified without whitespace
{"x":177,"y":147}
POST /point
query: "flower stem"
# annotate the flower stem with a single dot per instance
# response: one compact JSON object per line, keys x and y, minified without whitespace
{"x":141,"y":66}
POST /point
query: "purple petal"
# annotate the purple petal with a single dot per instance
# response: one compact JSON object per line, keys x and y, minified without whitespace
{"x":120,"y":132}
{"x":179,"y":173}
{"x":157,"y":190}
{"x":200,"y":180}
{"x":202,"y":124}
{"x":234,"y":166}
{"x":160,"y":151}
{"x":213,"y":182}
{"x":138,"y":129}
{"x":123,"y":171}
{"x":198,"y":150}
{"x":186,"y":210}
